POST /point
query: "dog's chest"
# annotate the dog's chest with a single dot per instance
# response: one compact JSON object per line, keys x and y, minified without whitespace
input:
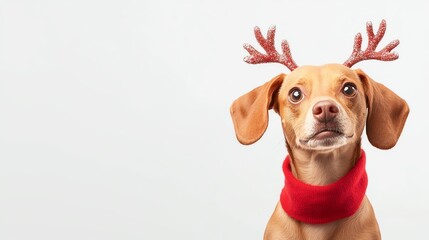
{"x":319,"y":231}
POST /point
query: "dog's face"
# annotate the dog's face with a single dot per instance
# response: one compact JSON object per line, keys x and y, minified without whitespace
{"x":322,"y":108}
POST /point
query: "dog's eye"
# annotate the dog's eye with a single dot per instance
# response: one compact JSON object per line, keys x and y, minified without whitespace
{"x":295,"y":95}
{"x":349,"y":89}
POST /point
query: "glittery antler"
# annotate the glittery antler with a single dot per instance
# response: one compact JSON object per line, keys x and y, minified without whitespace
{"x":271,"y":53}
{"x":373,"y":41}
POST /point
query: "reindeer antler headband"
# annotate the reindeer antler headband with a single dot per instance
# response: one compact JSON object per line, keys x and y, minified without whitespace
{"x":357,"y":55}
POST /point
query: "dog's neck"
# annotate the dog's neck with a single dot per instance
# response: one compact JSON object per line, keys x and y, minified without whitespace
{"x":333,"y":197}
{"x":323,"y":167}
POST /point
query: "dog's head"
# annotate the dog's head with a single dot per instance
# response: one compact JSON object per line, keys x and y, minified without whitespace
{"x":322,"y":108}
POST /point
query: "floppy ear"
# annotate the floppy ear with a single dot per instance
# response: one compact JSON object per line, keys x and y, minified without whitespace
{"x":387,"y":113}
{"x":250,"y":112}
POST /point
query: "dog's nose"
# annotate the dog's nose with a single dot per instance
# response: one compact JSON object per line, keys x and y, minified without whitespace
{"x":325,"y":111}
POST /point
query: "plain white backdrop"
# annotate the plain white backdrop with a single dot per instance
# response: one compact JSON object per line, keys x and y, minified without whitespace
{"x":114,"y":115}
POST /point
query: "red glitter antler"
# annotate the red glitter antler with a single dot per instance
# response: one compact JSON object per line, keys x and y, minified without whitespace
{"x":373,"y":41}
{"x":271,"y":53}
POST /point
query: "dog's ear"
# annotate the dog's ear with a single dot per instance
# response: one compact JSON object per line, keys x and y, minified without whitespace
{"x":387,"y":113}
{"x":250,"y":112}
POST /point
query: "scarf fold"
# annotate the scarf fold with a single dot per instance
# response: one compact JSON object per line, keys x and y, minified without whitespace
{"x":322,"y":204}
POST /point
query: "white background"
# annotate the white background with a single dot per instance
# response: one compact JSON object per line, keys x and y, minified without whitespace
{"x":114,"y":115}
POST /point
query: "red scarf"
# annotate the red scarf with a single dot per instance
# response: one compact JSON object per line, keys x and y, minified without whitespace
{"x":323,"y":204}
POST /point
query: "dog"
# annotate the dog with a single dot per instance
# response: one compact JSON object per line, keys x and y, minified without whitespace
{"x":324,"y":111}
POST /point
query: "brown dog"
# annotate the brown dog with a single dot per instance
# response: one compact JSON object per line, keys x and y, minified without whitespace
{"x":323,"y":110}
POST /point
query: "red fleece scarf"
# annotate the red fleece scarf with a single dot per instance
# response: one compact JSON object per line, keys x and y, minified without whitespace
{"x":323,"y":204}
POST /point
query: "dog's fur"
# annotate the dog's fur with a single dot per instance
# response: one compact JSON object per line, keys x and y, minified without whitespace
{"x":323,"y":136}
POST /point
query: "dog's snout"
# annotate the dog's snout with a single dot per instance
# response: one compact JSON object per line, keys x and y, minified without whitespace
{"x":325,"y":111}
